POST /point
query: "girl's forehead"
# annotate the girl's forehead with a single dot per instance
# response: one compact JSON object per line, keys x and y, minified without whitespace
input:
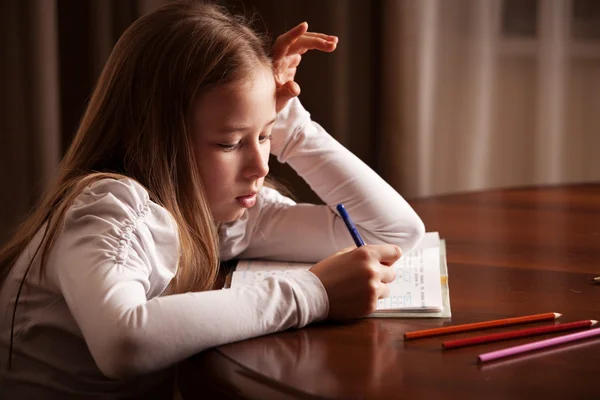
{"x":246,"y":102}
{"x":256,"y":78}
{"x":260,"y":75}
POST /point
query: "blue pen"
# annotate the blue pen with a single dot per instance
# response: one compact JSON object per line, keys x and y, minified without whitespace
{"x":350,"y":225}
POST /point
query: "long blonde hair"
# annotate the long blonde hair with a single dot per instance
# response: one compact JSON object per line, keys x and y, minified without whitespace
{"x":135,"y":126}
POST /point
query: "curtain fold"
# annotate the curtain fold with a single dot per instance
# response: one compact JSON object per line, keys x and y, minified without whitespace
{"x":52,"y":52}
{"x":438,"y":96}
{"x":29,"y":111}
{"x":489,"y":94}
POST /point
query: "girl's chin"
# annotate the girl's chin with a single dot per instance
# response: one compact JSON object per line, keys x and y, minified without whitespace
{"x":230,"y":217}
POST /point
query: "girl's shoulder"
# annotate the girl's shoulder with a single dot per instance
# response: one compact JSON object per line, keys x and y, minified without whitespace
{"x":272,"y":196}
{"x":125,"y":189}
{"x":117,"y":215}
{"x":123,"y":200}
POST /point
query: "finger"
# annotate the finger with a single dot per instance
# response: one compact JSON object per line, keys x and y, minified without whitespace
{"x":285,"y":40}
{"x":304,"y":43}
{"x":285,"y":93}
{"x":283,"y":77}
{"x":293,"y":88}
{"x":387,"y":254}
{"x":387,"y":274}
{"x":383,"y":291}
{"x":329,"y":38}
{"x":294,"y":60}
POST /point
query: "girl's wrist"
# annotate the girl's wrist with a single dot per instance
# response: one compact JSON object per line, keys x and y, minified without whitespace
{"x":289,"y":120}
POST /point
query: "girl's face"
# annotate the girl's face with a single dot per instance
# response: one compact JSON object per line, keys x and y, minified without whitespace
{"x":232,"y":128}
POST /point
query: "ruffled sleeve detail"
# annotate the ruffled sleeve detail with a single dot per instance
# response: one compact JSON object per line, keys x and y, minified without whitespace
{"x":118,"y":251}
{"x":133,"y":230}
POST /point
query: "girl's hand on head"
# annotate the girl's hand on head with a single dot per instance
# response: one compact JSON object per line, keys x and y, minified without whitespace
{"x":287,"y":54}
{"x":355,"y":279}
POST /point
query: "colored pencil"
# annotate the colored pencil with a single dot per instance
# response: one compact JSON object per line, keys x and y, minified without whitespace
{"x":496,"y":337}
{"x":511,"y":351}
{"x":480,"y":325}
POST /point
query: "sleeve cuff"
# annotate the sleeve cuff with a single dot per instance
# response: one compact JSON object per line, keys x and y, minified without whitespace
{"x":311,"y":297}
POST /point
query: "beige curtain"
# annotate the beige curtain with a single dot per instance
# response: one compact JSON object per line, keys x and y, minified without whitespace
{"x":490,"y":93}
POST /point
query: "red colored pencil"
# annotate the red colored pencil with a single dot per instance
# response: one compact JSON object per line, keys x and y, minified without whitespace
{"x":480,"y":325}
{"x":496,"y":337}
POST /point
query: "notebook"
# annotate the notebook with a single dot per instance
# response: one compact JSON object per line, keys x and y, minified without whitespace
{"x":419,"y":291}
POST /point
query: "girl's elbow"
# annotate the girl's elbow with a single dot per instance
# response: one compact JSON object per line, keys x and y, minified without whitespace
{"x":119,"y":358}
{"x":415,"y":233}
{"x":410,"y":234}
{"x":406,"y":233}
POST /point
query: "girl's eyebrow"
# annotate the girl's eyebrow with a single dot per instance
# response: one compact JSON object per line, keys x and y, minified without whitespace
{"x":229,"y":129}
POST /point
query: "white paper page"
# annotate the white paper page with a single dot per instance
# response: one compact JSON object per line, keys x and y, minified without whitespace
{"x":417,"y":281}
{"x":430,"y":239}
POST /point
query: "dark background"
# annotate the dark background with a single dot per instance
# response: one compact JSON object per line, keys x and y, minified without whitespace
{"x":354,"y":21}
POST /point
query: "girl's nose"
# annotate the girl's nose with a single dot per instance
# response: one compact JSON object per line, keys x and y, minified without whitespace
{"x":257,"y":165}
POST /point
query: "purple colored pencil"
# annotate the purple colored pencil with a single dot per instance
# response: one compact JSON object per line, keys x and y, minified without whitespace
{"x":511,"y":351}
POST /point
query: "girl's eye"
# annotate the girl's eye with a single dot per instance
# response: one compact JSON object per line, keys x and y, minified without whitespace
{"x":235,"y":146}
{"x":229,"y":147}
{"x":262,"y":139}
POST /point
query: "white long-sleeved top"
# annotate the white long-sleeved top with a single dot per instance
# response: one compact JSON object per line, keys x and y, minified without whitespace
{"x":97,"y":324}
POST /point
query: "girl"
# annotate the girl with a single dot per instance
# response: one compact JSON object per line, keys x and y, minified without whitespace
{"x":112,"y":280}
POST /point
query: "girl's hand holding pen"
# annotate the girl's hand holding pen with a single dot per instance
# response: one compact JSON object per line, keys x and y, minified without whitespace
{"x":356,"y":278}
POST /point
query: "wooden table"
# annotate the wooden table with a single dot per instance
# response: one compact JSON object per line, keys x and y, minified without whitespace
{"x":510,"y":252}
